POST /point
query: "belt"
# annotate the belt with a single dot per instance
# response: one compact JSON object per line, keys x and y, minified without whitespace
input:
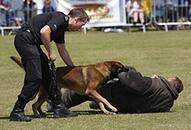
{"x":25,"y":29}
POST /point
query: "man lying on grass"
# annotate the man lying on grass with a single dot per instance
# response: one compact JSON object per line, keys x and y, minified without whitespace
{"x":133,"y":93}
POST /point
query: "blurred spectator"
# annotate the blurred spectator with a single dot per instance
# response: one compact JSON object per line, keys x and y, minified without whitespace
{"x":29,"y":7}
{"x":47,"y":7}
{"x":157,"y":14}
{"x":184,"y":6}
{"x":3,"y":5}
{"x":135,"y":10}
{"x":170,"y":11}
{"x":189,"y":13}
{"x":147,"y":7}
{"x":10,"y":14}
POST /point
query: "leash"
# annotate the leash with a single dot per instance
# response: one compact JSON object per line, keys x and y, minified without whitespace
{"x":53,"y":89}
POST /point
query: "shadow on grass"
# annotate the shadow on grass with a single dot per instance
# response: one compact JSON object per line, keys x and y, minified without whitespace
{"x":7,"y":117}
{"x":50,"y":115}
{"x":4,"y":117}
{"x":89,"y":112}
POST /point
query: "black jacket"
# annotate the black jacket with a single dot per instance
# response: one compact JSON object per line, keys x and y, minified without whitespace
{"x":158,"y":97}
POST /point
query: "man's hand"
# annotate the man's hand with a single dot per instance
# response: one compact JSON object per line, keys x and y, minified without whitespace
{"x":52,"y":57}
{"x":155,"y":76}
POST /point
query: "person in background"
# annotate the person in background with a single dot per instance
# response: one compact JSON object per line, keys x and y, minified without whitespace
{"x":3,"y":5}
{"x":11,"y":18}
{"x":47,"y":7}
{"x":6,"y":6}
{"x":135,"y":10}
{"x":29,"y":8}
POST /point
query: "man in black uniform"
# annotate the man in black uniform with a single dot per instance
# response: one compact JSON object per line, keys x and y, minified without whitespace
{"x":134,"y":93}
{"x":41,"y":30}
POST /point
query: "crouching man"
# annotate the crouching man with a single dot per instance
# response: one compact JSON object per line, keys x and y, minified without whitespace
{"x":133,"y":93}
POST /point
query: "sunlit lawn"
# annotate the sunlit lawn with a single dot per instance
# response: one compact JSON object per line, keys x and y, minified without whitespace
{"x":151,"y":53}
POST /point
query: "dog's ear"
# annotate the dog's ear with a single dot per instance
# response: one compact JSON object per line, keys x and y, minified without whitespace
{"x":114,"y":67}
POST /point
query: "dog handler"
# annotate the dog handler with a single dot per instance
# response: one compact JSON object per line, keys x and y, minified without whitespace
{"x":134,"y":93}
{"x":41,"y":30}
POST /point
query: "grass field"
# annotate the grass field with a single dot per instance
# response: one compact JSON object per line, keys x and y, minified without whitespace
{"x":151,"y":53}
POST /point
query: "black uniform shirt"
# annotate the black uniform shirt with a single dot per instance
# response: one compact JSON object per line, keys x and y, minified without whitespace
{"x":57,"y":21}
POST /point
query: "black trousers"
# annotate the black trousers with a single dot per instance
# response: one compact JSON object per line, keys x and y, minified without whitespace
{"x":35,"y":64}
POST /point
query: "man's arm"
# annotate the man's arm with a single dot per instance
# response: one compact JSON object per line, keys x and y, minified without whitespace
{"x":64,"y":54}
{"x":45,"y":37}
{"x":155,"y":76}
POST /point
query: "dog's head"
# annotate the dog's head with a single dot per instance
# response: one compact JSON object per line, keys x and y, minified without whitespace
{"x":115,"y":68}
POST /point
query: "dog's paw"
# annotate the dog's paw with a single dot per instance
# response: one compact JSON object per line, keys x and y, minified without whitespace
{"x":113,"y":109}
{"x":109,"y":112}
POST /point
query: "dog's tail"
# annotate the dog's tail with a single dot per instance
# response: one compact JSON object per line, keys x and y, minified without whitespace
{"x":17,"y":60}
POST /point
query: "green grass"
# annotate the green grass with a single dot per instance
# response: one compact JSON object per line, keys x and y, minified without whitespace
{"x":151,"y":53}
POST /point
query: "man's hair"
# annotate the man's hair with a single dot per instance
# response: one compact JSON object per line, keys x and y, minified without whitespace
{"x":79,"y":12}
{"x":178,"y":84}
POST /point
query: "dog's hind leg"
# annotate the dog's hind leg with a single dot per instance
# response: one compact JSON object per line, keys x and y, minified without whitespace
{"x":36,"y":107}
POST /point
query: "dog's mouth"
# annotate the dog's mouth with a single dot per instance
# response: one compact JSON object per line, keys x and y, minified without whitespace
{"x":115,"y":74}
{"x":116,"y":69}
{"x":124,"y":68}
{"x":120,"y":70}
{"x":112,"y":76}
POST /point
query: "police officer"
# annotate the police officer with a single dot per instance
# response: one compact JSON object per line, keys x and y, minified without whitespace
{"x":41,"y":30}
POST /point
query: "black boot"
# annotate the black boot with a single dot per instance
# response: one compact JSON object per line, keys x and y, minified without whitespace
{"x":60,"y":110}
{"x":49,"y":106}
{"x":17,"y":113}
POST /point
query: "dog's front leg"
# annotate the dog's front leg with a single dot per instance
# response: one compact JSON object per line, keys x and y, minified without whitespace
{"x":102,"y":107}
{"x":102,"y":101}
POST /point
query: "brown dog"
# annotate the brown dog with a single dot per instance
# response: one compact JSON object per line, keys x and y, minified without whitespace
{"x":84,"y":79}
